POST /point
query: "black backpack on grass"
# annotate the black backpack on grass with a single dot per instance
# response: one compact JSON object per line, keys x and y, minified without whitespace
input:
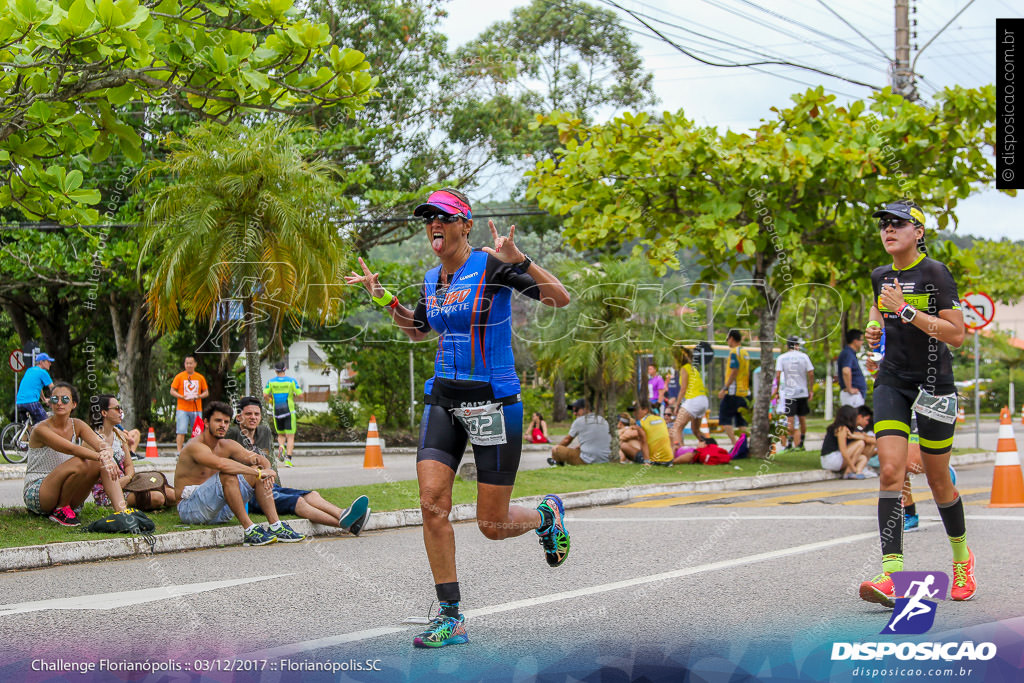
{"x":130,"y":521}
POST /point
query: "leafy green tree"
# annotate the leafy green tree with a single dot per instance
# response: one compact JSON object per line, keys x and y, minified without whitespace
{"x":71,"y":67}
{"x":243,"y":234}
{"x":787,"y":203}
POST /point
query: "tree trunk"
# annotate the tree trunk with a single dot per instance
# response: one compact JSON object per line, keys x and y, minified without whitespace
{"x":559,"y":412}
{"x":613,"y":421}
{"x":252,"y":364}
{"x":134,"y":345}
{"x":760,"y":438}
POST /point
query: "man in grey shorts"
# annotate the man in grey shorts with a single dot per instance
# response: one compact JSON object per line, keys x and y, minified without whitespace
{"x":215,"y":478}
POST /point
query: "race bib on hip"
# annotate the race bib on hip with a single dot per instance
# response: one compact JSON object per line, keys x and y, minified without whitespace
{"x":938,"y":408}
{"x":485,"y":424}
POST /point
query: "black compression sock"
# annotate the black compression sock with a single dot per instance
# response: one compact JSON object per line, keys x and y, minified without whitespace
{"x":910,"y":510}
{"x":890,"y":522}
{"x":448,"y":594}
{"x":952,"y":514}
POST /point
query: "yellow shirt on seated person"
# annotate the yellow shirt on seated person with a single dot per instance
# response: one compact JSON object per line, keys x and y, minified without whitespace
{"x":658,"y":442}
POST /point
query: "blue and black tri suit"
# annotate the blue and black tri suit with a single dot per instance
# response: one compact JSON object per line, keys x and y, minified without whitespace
{"x":474,"y":363}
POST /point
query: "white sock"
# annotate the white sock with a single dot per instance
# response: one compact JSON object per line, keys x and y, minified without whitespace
{"x":250,"y":528}
{"x":275,"y":526}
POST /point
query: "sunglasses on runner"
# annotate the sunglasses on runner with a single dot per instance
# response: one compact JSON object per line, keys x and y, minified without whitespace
{"x":444,"y":218}
{"x":895,"y":222}
{"x":60,"y":399}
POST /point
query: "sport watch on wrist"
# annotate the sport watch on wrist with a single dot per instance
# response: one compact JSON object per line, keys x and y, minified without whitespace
{"x":908,"y":313}
{"x":523,"y":265}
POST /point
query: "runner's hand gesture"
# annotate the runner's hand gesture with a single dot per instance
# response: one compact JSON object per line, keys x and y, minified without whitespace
{"x":505,"y":249}
{"x":368,"y":279}
{"x":892,"y":296}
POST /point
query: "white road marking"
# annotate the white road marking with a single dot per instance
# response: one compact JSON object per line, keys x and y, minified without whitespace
{"x":108,"y":601}
{"x":308,"y":645}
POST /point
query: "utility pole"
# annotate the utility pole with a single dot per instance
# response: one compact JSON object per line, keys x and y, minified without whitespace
{"x":902,"y":75}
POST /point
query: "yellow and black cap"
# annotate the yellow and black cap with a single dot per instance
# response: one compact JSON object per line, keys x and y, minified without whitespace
{"x":905,"y":209}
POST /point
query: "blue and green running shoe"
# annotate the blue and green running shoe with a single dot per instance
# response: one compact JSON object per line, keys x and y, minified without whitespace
{"x":555,"y":539}
{"x":443,"y":630}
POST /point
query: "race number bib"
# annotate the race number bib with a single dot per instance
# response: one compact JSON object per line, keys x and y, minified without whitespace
{"x":939,"y":408}
{"x":484,"y":424}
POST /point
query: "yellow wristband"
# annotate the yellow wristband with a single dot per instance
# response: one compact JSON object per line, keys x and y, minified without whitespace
{"x":874,"y":323}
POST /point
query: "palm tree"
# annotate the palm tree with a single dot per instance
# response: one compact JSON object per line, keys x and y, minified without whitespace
{"x":244,"y":216}
{"x":617,"y":312}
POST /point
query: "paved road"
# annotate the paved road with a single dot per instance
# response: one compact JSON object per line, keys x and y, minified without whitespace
{"x":763,"y":580}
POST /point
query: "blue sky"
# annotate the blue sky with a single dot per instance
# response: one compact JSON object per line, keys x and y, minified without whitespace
{"x":801,"y":31}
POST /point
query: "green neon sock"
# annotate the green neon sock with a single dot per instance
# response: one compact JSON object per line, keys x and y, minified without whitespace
{"x":892,"y":563}
{"x":959,"y":544}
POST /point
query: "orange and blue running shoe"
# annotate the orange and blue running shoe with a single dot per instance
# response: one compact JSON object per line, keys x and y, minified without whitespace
{"x":555,"y":539}
{"x":443,"y":630}
{"x":964,"y":586}
{"x":879,"y":589}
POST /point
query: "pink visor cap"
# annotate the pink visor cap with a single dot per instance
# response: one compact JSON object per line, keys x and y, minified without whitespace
{"x":445,"y":202}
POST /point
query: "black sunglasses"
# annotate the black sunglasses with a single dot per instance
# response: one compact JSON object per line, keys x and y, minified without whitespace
{"x":885,"y":221}
{"x":60,"y":399}
{"x":444,"y":218}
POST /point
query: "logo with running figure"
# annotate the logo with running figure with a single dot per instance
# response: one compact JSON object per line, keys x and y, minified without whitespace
{"x":915,"y":613}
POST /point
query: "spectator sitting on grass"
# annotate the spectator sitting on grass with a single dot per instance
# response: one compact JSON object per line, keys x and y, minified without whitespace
{"x":539,"y":429}
{"x":105,"y":415}
{"x":656,"y":446}
{"x":215,"y":478}
{"x":630,"y":440}
{"x":258,"y":439}
{"x":595,"y":441}
{"x":60,"y":471}
{"x":840,"y":452}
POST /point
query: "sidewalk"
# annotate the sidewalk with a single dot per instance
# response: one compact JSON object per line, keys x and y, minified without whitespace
{"x":37,"y":556}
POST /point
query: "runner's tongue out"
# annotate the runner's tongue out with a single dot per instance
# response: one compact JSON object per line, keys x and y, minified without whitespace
{"x":437,"y":243}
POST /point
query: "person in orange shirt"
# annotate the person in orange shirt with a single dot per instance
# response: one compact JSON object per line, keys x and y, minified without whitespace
{"x":189,"y":387}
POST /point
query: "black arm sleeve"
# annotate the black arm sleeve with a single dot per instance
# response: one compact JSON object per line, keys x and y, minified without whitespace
{"x":504,"y":274}
{"x":419,"y":316}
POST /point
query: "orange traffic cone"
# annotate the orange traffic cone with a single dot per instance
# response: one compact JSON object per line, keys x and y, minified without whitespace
{"x":960,"y":416}
{"x":705,"y":428}
{"x":151,"y":445}
{"x":1007,"y":479}
{"x":373,"y":459}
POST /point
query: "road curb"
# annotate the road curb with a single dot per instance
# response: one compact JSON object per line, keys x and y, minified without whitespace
{"x":52,"y":554}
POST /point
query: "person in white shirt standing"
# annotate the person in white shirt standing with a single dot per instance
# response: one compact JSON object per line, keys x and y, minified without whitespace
{"x":794,"y":374}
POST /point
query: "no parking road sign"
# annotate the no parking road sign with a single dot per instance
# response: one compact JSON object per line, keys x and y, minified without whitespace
{"x":16,"y":360}
{"x":979,"y":310}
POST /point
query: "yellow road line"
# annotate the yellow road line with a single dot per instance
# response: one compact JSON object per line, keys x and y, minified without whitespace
{"x":926,"y":494}
{"x":791,"y":498}
{"x":683,"y":500}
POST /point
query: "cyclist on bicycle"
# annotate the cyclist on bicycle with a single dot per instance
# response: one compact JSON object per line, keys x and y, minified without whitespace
{"x":30,"y":394}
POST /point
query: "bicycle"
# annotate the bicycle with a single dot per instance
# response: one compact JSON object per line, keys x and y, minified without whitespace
{"x":14,"y":438}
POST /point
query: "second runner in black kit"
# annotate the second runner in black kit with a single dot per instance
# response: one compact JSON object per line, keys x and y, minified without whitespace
{"x":473,"y":395}
{"x":917,"y":302}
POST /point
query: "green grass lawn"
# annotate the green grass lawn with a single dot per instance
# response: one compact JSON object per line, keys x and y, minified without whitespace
{"x":22,"y":528}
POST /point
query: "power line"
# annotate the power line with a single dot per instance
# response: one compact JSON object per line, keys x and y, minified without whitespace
{"x":57,"y":227}
{"x":691,"y":55}
{"x":857,"y":30}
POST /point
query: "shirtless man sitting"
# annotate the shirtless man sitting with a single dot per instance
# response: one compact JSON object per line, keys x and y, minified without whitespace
{"x":215,"y":478}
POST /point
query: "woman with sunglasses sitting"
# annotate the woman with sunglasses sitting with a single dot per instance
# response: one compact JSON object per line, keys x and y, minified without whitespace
{"x":60,"y":471}
{"x":106,"y":415}
{"x":474,"y":393}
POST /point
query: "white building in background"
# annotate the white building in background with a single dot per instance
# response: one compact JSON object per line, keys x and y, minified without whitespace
{"x":306,"y":361}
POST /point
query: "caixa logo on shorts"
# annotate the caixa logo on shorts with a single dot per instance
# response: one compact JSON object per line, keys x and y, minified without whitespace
{"x":914,"y":614}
